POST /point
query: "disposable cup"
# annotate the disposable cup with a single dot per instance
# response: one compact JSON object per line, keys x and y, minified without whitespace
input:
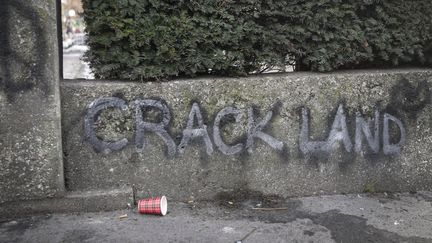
{"x":156,"y":205}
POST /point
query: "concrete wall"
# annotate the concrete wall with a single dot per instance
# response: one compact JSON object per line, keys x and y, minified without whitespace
{"x":30,"y":141}
{"x":292,"y":134}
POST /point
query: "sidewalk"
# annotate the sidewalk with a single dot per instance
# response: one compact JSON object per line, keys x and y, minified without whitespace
{"x":73,"y":65}
{"x":341,"y":218}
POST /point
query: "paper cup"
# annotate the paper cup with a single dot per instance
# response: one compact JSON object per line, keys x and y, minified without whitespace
{"x":157,"y":205}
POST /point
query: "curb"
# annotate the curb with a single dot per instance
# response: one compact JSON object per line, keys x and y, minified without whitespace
{"x":75,"y":201}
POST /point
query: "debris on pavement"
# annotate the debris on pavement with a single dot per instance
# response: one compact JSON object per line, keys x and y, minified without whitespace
{"x":397,"y":222}
{"x":246,"y":236}
{"x":228,"y":230}
{"x":269,"y":209}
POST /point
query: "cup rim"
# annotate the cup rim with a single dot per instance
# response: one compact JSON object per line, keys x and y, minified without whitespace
{"x":163,"y":205}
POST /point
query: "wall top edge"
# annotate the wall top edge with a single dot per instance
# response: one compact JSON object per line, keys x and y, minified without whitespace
{"x":340,"y":73}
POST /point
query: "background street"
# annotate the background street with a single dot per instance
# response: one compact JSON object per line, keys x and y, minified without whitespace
{"x":73,"y":66}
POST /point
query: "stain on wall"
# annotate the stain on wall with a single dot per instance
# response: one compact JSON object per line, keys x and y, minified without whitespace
{"x":411,"y":98}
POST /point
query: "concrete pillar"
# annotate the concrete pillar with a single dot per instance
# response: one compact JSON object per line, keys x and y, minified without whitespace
{"x":31,"y":165}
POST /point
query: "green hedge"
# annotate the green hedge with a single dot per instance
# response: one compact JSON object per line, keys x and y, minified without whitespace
{"x":152,"y":39}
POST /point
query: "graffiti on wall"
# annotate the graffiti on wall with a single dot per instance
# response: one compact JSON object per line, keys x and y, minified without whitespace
{"x":369,"y":134}
{"x":34,"y":73}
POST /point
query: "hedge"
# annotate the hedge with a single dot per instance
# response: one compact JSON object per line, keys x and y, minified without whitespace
{"x":153,"y":39}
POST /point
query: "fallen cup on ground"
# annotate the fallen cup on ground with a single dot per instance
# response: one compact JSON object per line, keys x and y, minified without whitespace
{"x":156,"y":205}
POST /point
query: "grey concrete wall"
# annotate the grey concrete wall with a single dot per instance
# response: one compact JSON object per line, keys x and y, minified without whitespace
{"x":30,"y":142}
{"x":293,"y":134}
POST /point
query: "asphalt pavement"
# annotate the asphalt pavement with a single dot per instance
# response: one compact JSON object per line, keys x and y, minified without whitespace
{"x":249,"y":217}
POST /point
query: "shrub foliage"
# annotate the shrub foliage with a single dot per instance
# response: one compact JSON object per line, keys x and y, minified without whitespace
{"x":151,"y":39}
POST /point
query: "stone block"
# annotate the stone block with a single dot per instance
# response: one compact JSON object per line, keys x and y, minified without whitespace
{"x":285,"y":134}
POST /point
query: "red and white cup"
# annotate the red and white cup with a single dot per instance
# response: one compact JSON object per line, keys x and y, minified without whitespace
{"x":157,"y":205}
